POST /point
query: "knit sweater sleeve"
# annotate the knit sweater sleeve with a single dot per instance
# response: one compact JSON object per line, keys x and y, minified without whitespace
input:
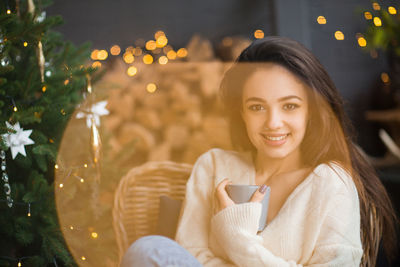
{"x":338,"y":241}
{"x":194,"y":224}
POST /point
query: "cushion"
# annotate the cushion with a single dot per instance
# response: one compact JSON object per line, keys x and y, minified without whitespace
{"x":168,"y":216}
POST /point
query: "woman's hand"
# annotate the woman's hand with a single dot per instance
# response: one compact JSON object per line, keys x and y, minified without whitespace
{"x":225,"y":201}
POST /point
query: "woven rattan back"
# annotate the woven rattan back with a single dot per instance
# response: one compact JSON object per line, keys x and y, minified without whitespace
{"x":137,"y":198}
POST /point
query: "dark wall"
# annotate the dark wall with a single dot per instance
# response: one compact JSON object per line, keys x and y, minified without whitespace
{"x":105,"y":23}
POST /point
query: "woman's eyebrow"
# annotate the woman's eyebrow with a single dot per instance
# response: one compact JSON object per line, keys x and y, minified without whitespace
{"x":258,"y":99}
{"x":289,"y":97}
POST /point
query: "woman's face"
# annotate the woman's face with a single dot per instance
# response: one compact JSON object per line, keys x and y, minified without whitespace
{"x":275,"y":111}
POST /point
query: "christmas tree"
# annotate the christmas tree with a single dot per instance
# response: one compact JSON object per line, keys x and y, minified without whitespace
{"x":42,"y":80}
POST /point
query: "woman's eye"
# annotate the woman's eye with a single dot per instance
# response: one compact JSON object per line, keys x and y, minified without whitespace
{"x":256,"y":107}
{"x":290,"y":106}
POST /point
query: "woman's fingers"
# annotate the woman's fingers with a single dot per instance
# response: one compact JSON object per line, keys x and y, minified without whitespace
{"x":223,"y":198}
{"x":259,"y":195}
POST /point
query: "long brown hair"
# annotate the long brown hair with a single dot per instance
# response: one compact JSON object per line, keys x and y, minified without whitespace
{"x":329,"y":135}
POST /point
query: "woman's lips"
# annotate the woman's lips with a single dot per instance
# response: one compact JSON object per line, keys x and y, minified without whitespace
{"x":275,"y":139}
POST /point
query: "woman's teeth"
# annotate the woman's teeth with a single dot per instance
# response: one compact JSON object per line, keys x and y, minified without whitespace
{"x":275,"y":138}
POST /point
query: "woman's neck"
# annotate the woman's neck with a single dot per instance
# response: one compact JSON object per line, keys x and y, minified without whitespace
{"x":268,"y":167}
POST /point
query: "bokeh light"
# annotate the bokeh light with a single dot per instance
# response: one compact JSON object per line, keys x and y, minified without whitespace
{"x":367,"y":15}
{"x":376,"y":6}
{"x":128,"y":57}
{"x":102,"y":55}
{"x":151,"y":88}
{"x":131,"y":71}
{"x":161,"y":41}
{"x":151,"y":45}
{"x":171,"y":54}
{"x":259,"y":34}
{"x":385,"y":77}
{"x":115,"y":50}
{"x":96,"y":64}
{"x":321,"y":20}
{"x":377,"y":21}
{"x":392,"y":10}
{"x":339,"y":35}
{"x":362,"y":42}
{"x":147,"y":59}
{"x":93,"y":55}
{"x":163,"y":60}
{"x":182,"y":52}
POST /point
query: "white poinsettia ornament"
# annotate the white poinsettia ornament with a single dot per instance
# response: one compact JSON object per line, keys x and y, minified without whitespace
{"x":94,"y":113}
{"x":18,"y":140}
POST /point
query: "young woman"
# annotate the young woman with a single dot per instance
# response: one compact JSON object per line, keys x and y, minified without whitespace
{"x":327,"y":206}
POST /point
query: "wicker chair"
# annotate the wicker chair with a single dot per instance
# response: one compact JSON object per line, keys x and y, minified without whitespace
{"x":137,"y":199}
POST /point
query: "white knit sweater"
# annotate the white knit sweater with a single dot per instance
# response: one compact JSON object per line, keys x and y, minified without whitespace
{"x":318,"y":225}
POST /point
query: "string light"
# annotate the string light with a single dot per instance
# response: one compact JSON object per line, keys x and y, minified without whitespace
{"x":367,"y":15}
{"x":131,"y":71}
{"x":19,"y":263}
{"x":163,"y":60}
{"x":83,"y":258}
{"x":51,"y":140}
{"x":171,"y":54}
{"x":66,"y":82}
{"x":182,"y":52}
{"x":102,"y":55}
{"x":128,"y":57}
{"x":115,"y":50}
{"x":25,"y":44}
{"x":147,"y":59}
{"x":71,"y":227}
{"x":44,"y":88}
{"x":377,"y":21}
{"x":82,"y":180}
{"x":94,"y":54}
{"x":339,"y":35}
{"x":15,"y":109}
{"x":362,"y":42}
{"x":96,"y":64}
{"x":385,"y":77}
{"x":151,"y":45}
{"x":56,"y":166}
{"x":151,"y":88}
{"x":392,"y":10}
{"x":61,"y":185}
{"x":8,"y":11}
{"x":321,"y":20}
{"x":259,"y":34}
{"x":29,"y":209}
{"x":94,"y":235}
{"x":158,"y":34}
{"x":161,"y":41}
{"x":85,"y":165}
{"x":376,"y":6}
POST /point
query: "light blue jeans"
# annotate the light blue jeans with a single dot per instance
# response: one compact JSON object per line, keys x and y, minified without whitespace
{"x":158,"y":251}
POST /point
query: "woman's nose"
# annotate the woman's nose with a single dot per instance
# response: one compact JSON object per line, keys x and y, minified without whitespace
{"x":273,"y":120}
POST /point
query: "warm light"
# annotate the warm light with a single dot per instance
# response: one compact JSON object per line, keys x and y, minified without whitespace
{"x":128,"y":57}
{"x":147,"y":59}
{"x":29,"y":214}
{"x":362,"y":42}
{"x":25,"y":44}
{"x":85,"y":165}
{"x":19,"y":264}
{"x":102,"y":55}
{"x":376,"y":6}
{"x":94,"y":54}
{"x":151,"y":88}
{"x":96,"y":64}
{"x":71,"y":227}
{"x":151,"y":45}
{"x":8,"y":11}
{"x":367,"y":15}
{"x":44,"y":88}
{"x":182,"y":52}
{"x":392,"y":10}
{"x":258,"y":34}
{"x":61,"y":185}
{"x":131,"y":71}
{"x":167,"y":48}
{"x":163,"y":60}
{"x":115,"y":50}
{"x":83,"y":258}
{"x":66,"y":82}
{"x":385,"y":77}
{"x":158,"y":34}
{"x":321,"y":20}
{"x":56,"y":166}
{"x":94,"y":235}
{"x":82,"y":180}
{"x":377,"y":21}
{"x":227,"y":41}
{"x":138,"y":51}
{"x":51,"y":140}
{"x":339,"y":35}
{"x":15,"y":109}
{"x":161,"y":41}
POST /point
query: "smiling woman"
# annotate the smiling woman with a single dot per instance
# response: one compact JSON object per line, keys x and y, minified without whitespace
{"x":327,"y":207}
